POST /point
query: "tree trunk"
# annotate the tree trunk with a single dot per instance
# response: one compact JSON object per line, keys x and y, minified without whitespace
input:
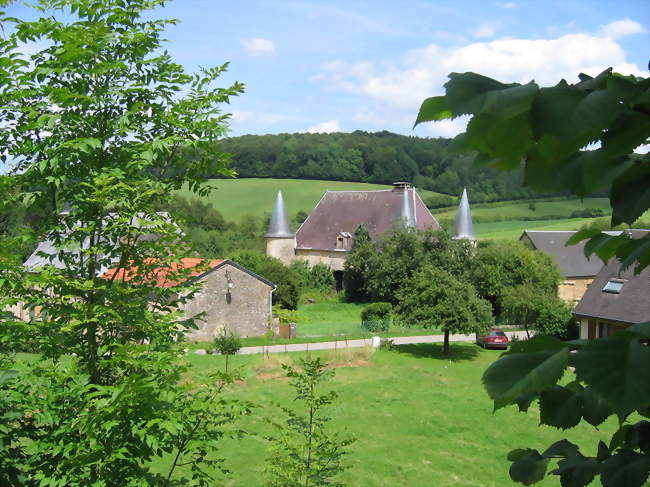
{"x":445,"y":345}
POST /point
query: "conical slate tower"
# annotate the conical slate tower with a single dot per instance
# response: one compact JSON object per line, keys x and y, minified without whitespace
{"x":463,"y":227}
{"x":279,"y":226}
{"x":406,"y":216}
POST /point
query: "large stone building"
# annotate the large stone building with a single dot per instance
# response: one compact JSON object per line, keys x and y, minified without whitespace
{"x":231,"y":297}
{"x":327,"y":235}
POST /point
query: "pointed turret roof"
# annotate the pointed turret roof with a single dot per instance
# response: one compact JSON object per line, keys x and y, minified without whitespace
{"x":464,"y":228}
{"x":279,"y":226}
{"x":406,"y":216}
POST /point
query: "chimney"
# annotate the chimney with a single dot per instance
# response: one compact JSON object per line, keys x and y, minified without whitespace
{"x":401,"y":186}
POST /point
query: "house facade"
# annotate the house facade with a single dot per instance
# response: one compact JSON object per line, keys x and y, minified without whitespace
{"x":578,"y":271}
{"x":614,"y":301}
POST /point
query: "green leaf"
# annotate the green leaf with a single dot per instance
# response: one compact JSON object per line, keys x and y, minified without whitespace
{"x":595,"y":409}
{"x":577,"y":470}
{"x":562,"y":448}
{"x":518,"y":374}
{"x":528,"y":466}
{"x":560,"y":407}
{"x":626,"y":468}
{"x":465,"y":92}
{"x":640,"y":329}
{"x":581,"y":235}
{"x":434,"y":108}
{"x":630,"y":193}
{"x":635,"y":251}
{"x":507,"y":141}
{"x":616,"y":368}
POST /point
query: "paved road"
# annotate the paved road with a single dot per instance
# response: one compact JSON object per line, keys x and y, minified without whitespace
{"x":365,"y":342}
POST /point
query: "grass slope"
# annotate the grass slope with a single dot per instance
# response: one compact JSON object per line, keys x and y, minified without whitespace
{"x":516,"y":210}
{"x":420,"y":419}
{"x":235,"y":198}
{"x":513,"y":229}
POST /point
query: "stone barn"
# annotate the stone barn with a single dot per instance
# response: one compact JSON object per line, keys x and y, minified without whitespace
{"x":231,"y":298}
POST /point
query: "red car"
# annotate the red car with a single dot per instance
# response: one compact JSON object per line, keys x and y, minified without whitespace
{"x":495,"y":338}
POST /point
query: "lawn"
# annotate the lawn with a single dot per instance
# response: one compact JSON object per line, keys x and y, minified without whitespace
{"x":420,"y":419}
{"x":517,"y":210}
{"x":329,"y":319}
{"x":235,"y":198}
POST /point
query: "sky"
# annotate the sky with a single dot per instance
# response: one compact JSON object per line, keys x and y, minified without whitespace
{"x":327,"y":66}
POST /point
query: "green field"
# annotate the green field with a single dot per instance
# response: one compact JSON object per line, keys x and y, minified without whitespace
{"x":420,"y":419}
{"x":235,"y":198}
{"x":514,"y":228}
{"x":517,"y":210}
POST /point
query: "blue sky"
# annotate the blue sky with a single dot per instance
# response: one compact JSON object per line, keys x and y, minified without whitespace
{"x":367,"y":65}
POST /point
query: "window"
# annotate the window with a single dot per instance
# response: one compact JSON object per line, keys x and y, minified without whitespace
{"x":614,"y":286}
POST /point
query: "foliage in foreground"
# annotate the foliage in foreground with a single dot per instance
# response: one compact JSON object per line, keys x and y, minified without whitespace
{"x":554,"y":130}
{"x":92,"y":123}
{"x":611,"y":378}
{"x":305,"y":453}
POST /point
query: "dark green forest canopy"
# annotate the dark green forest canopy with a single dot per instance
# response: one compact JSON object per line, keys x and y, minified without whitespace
{"x":380,"y":157}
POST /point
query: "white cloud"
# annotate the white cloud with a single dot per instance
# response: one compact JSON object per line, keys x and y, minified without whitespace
{"x":485,"y":30}
{"x":642,"y":149}
{"x":259,"y":46}
{"x":422,"y":72}
{"x":622,"y":28}
{"x":258,"y":117}
{"x":506,"y":4}
{"x":325,"y":127}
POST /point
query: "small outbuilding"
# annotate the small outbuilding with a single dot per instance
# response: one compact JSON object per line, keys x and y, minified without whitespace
{"x":231,"y":298}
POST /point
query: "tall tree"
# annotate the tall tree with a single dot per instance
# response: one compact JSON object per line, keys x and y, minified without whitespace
{"x":92,"y":125}
{"x":433,"y":298}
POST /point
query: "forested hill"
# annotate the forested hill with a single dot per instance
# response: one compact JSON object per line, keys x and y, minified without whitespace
{"x":380,"y":157}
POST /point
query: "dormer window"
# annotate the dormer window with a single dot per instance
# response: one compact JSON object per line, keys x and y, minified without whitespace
{"x":343,"y":240}
{"x":614,"y":286}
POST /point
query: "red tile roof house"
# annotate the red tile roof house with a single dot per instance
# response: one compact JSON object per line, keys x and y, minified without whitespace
{"x":232,"y":297}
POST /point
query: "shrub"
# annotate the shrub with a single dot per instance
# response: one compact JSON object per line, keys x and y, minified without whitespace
{"x":318,"y":277}
{"x":376,"y":317}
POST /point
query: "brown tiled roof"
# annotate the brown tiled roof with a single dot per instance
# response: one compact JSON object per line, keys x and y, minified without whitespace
{"x":631,"y":305}
{"x":344,"y":211}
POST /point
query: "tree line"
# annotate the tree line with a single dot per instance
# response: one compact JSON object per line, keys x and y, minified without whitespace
{"x":380,"y":157}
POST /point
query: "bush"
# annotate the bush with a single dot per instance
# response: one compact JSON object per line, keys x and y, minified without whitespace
{"x":376,"y":317}
{"x":588,"y":213}
{"x":319,"y":277}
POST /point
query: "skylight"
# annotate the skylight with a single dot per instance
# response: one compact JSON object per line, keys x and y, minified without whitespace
{"x":614,"y":286}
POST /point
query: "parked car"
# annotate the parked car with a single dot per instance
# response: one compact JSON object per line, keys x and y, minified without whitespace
{"x":495,"y":338}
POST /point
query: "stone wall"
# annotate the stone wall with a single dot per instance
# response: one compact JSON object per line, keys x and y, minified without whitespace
{"x":246,"y":309}
{"x":332,"y":258}
{"x":282,"y":248}
{"x":572,"y":289}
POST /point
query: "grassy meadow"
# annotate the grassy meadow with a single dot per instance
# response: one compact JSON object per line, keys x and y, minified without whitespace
{"x":235,"y":198}
{"x":420,"y":419}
